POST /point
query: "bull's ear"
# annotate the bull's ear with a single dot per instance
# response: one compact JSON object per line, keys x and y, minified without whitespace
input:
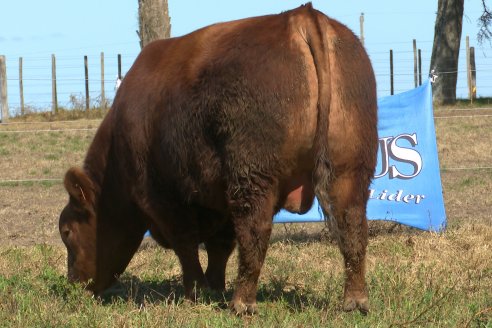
{"x":80,"y":186}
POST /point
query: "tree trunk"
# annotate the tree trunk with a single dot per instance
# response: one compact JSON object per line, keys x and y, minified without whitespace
{"x":446,"y":49}
{"x":154,"y":21}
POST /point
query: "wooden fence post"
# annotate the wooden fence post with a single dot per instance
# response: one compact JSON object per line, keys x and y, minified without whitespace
{"x":420,"y":67}
{"x":473,"y":75}
{"x":391,"y":72}
{"x":54,"y":96}
{"x":103,"y":94}
{"x":21,"y":87}
{"x":468,"y":68}
{"x":362,"y":28}
{"x":119,"y":66}
{"x":415,"y":78}
{"x":3,"y":90}
{"x":86,"y":69}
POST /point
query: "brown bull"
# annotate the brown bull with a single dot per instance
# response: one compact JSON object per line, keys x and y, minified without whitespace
{"x":211,"y":134}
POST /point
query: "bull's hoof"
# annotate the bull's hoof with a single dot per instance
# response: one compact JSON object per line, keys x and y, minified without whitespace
{"x":241,"y":308}
{"x":353,"y":303}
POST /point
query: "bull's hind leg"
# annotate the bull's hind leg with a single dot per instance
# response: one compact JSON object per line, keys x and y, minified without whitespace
{"x":348,"y":195}
{"x":219,"y":249}
{"x":253,"y":225}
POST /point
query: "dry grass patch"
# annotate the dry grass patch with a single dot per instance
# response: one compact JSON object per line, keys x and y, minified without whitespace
{"x":464,"y":141}
{"x":40,"y":151}
{"x":468,"y":196}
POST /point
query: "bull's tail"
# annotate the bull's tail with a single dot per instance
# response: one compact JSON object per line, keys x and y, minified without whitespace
{"x":322,"y":173}
{"x":346,"y":89}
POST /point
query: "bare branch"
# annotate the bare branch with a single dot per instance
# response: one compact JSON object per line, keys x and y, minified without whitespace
{"x":485,"y":25}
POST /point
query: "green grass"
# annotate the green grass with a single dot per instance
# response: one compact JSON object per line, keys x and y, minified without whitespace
{"x":471,"y":181}
{"x":63,"y":114}
{"x":415,"y":279}
{"x":4,"y":151}
{"x":28,"y":183}
{"x":12,"y":184}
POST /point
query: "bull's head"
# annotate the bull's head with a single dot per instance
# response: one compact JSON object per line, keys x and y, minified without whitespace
{"x":78,"y":228}
{"x":101,"y":233}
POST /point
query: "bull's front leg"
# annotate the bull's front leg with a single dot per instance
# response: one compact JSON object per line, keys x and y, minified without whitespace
{"x":253,"y":226}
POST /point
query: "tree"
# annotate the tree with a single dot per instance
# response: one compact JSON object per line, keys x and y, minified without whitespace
{"x":154,"y":21}
{"x":446,"y":48}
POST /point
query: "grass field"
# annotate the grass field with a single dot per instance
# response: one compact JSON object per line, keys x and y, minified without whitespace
{"x":415,"y":278}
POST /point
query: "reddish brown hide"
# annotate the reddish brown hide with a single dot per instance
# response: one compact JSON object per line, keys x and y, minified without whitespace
{"x":212,"y":133}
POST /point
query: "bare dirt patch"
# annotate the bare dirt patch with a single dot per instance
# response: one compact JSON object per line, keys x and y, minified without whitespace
{"x":30,"y":214}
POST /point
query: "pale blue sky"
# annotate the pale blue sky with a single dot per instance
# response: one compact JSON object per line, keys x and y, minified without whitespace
{"x":36,"y":29}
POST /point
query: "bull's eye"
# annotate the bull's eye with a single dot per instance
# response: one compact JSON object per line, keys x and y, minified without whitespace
{"x":65,"y":233}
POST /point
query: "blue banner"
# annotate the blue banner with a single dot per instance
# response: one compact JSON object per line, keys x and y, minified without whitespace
{"x":407,"y":184}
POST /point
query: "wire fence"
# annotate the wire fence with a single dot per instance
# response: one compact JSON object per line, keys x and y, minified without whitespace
{"x":54,"y":180}
{"x":48,"y":130}
{"x":30,"y":83}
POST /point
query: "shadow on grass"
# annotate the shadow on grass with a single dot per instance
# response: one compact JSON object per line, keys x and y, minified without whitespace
{"x":316,"y":232}
{"x":131,"y":288}
{"x":141,"y":292}
{"x":295,"y":298}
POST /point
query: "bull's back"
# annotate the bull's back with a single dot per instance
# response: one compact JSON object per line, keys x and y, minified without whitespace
{"x":247,"y":87}
{"x":235,"y":95}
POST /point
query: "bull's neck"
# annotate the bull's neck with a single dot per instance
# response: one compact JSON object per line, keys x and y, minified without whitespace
{"x":96,"y":160}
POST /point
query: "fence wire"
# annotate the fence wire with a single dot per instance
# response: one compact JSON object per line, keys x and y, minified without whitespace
{"x":59,"y":181}
{"x":37,"y":75}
